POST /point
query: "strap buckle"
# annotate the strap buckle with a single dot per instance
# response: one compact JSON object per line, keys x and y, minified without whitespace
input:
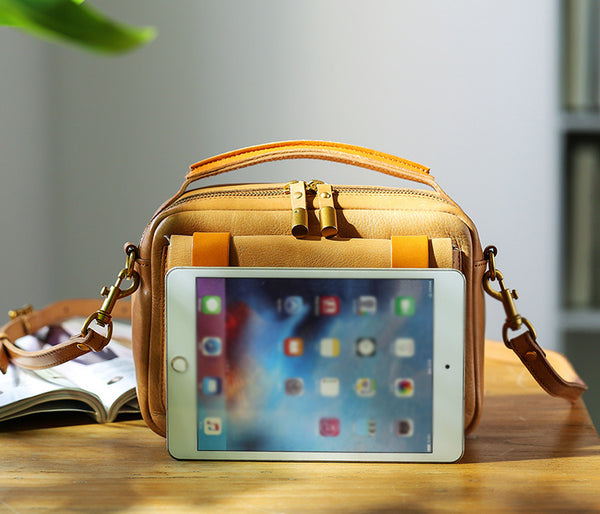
{"x":114,"y":293}
{"x":22,"y":314}
{"x":514,"y":321}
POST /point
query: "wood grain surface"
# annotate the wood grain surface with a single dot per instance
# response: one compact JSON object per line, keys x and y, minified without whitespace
{"x":530,"y":453}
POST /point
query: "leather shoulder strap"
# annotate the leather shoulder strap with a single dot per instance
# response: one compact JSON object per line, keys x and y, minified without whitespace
{"x":524,"y":345}
{"x":27,"y":321}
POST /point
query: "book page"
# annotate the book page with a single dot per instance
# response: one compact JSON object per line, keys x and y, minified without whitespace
{"x":109,"y":374}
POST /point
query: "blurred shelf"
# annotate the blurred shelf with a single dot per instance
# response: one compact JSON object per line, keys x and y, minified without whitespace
{"x":583,"y":122}
{"x":580,"y":320}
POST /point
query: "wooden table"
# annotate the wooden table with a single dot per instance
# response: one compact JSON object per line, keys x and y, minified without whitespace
{"x":531,"y":452}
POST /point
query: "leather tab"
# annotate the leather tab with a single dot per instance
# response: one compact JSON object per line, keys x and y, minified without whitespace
{"x":534,"y":359}
{"x":410,"y":252}
{"x":210,"y":249}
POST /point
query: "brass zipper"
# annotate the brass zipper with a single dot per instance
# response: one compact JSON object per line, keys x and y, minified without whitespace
{"x":278,"y":192}
{"x":298,"y":191}
{"x":327,"y":216}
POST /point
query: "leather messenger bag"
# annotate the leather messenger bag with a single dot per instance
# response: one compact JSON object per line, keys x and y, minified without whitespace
{"x":294,"y":224}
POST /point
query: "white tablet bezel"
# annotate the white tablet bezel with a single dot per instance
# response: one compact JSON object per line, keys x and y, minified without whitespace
{"x":448,"y":363}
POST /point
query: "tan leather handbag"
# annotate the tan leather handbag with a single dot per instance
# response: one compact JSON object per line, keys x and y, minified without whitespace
{"x":295,"y":224}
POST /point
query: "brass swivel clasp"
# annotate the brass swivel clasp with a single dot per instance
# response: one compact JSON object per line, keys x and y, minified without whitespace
{"x":114,"y":293}
{"x":514,"y":321}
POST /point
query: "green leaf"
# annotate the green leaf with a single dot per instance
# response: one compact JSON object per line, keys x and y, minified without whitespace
{"x":68,"y":21}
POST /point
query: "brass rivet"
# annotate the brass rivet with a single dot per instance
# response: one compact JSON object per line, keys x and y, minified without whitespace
{"x":297,"y":194}
{"x":83,"y":347}
{"x":325,"y":194}
{"x":531,"y":355}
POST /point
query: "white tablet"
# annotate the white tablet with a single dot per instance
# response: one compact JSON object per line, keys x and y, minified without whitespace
{"x":315,"y":364}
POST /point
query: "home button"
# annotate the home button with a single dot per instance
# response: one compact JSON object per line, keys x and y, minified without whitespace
{"x":179,"y":364}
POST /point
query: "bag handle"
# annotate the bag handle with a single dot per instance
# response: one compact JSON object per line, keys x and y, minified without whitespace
{"x":305,"y":149}
{"x":324,"y":150}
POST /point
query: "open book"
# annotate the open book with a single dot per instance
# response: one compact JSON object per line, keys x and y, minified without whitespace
{"x":100,"y":384}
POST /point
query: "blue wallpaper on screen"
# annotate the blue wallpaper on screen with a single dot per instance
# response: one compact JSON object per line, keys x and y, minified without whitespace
{"x":319,"y":365}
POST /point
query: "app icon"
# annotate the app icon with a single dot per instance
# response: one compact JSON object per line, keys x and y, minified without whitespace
{"x":211,"y":346}
{"x":212,"y":386}
{"x":329,"y":427}
{"x":366,"y":347}
{"x":329,"y":347}
{"x":294,"y":386}
{"x":330,"y":386}
{"x":211,"y":304}
{"x":404,"y":387}
{"x":405,"y":306}
{"x":365,"y":427}
{"x":404,"y":347}
{"x":292,"y":305}
{"x":213,"y":426}
{"x":329,"y":305}
{"x":365,"y":387}
{"x":404,"y":427}
{"x":293,"y":346}
{"x":367,"y":305}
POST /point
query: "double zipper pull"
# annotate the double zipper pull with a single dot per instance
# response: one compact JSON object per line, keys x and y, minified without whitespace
{"x":326,"y":211}
{"x":327,"y":215}
{"x":299,"y":215}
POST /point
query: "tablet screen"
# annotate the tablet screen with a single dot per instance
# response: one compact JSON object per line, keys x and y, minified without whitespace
{"x":314,"y":364}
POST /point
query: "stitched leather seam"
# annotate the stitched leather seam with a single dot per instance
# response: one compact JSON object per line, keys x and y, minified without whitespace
{"x":365,"y":152}
{"x":46,"y":355}
{"x":163,"y":314}
{"x":547,"y":376}
{"x":27,"y":362}
{"x":332,"y":159}
{"x":541,"y":379}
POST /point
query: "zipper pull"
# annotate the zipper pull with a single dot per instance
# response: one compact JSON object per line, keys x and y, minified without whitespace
{"x":297,"y":190}
{"x":327,"y":216}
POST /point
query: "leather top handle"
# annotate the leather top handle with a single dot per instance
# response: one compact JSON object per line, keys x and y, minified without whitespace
{"x":335,"y":152}
{"x":323,"y":150}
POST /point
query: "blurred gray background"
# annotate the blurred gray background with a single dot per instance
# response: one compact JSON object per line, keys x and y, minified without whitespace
{"x":91,"y":145}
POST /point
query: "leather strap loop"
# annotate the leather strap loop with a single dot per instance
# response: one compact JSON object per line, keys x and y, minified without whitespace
{"x":410,"y":252}
{"x":210,"y":249}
